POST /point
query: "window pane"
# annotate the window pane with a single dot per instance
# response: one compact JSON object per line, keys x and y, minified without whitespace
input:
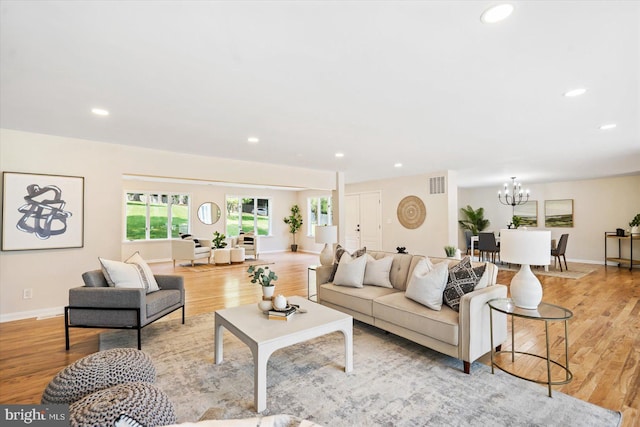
{"x":136,"y":216}
{"x":232,"y":207}
{"x":325,"y":207}
{"x":312,"y":205}
{"x":262,"y":216}
{"x":179,"y":214}
{"x":247,"y":215}
{"x":158,"y":216}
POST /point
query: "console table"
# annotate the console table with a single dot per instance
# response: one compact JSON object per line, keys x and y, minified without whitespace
{"x":632,"y":237}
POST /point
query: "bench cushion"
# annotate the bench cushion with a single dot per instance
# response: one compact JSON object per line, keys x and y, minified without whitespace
{"x":396,"y":308}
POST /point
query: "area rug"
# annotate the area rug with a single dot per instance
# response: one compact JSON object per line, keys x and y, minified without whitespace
{"x":575,"y":271}
{"x":394,"y":382}
{"x":201,"y":268}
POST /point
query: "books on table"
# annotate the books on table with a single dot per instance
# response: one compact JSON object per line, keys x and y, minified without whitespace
{"x":282,"y":314}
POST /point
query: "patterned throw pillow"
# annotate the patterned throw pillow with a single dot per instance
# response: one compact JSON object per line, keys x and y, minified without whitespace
{"x":462,"y":279}
{"x":341,"y":251}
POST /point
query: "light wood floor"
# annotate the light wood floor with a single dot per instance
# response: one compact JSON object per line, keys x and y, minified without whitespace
{"x":604,"y":333}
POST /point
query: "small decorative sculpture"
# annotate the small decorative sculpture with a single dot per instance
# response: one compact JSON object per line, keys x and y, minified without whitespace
{"x":401,"y":250}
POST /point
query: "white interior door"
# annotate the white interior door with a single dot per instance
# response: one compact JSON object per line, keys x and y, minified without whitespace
{"x":352,"y":222}
{"x":363,"y":221}
{"x":370,"y":221}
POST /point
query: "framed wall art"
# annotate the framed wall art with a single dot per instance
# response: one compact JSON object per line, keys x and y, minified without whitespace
{"x":528,"y":211}
{"x":558,"y":213}
{"x":42,"y":211}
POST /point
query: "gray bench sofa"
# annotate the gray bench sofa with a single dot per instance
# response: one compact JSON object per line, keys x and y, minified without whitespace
{"x":97,"y":305}
{"x":464,"y":335}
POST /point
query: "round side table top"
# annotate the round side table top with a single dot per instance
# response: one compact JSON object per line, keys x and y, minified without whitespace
{"x":544,"y":311}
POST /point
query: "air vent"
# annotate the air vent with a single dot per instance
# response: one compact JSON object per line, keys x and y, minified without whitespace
{"x":436,"y":185}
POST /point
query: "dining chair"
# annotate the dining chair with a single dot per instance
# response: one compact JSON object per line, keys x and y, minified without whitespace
{"x":487,"y":244}
{"x":559,"y":251}
{"x":467,"y":238}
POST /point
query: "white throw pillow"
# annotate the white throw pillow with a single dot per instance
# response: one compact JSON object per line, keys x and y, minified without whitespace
{"x":350,"y":271}
{"x":377,"y":271}
{"x":145,"y":271}
{"x":486,"y":277}
{"x":426,"y":286}
{"x":126,"y":275}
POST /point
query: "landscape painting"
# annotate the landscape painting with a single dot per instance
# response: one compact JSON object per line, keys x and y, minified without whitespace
{"x":528,"y":212}
{"x":558,"y":213}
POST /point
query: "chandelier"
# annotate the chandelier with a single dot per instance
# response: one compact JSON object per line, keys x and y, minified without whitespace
{"x":517,"y":195}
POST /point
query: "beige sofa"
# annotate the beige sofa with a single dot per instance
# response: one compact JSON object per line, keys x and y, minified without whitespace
{"x":464,"y":335}
{"x":186,"y":249}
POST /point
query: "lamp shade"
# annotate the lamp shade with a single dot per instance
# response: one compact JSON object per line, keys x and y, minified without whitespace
{"x":326,"y":234}
{"x":525,"y":247}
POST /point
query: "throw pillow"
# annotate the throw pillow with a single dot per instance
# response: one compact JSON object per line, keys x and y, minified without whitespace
{"x":341,"y":251}
{"x":426,"y":287}
{"x":145,"y":272}
{"x":376,"y":272}
{"x":350,"y":271}
{"x":126,"y":275}
{"x":462,"y":280}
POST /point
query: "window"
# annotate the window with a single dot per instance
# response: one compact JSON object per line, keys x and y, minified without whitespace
{"x":152,"y":216}
{"x":249,"y":214}
{"x":319,"y":209}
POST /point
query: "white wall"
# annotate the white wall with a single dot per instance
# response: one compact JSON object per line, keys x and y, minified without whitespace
{"x":599,"y":205}
{"x":50,"y":273}
{"x":436,"y":232}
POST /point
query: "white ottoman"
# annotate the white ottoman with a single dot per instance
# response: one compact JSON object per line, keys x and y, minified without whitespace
{"x":222,"y":256}
{"x":237,"y":254}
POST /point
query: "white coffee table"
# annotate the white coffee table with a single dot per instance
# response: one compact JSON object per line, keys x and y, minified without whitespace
{"x":264,"y":336}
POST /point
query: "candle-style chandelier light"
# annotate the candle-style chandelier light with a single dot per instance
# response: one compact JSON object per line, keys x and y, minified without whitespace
{"x":516,"y":197}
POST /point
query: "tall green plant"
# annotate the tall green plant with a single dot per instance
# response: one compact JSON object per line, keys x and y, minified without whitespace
{"x":294,"y":221}
{"x":473,"y":220}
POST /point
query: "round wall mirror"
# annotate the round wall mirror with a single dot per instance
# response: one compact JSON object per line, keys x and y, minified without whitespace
{"x":209,"y":213}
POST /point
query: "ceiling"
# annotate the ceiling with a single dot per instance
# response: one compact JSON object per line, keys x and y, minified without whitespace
{"x":422,"y":83}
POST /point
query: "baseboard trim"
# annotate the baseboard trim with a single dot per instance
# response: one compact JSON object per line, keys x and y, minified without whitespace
{"x":44,"y":313}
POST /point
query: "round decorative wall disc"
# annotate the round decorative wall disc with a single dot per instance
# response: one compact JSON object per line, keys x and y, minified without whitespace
{"x":411,"y":212}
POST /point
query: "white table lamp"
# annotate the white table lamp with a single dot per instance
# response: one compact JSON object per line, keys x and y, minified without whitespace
{"x":525,"y":248}
{"x":327,"y":234}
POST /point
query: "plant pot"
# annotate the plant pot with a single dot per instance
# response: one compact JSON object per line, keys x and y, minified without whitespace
{"x":294,"y":248}
{"x":267,"y":291}
{"x":635,"y":229}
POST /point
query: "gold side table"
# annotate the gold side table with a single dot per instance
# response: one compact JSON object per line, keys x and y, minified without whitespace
{"x":545,"y":312}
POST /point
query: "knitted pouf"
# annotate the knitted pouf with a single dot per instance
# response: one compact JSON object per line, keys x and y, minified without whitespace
{"x":144,"y":402}
{"x":99,"y":371}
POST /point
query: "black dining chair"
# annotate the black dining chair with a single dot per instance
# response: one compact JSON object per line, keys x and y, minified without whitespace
{"x":559,"y":251}
{"x":467,"y":238}
{"x":487,"y":245}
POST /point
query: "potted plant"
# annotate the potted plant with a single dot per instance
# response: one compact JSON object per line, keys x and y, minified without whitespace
{"x":516,"y":221}
{"x":219,"y":240}
{"x":450,"y":251}
{"x":635,"y":224}
{"x":264,"y":277}
{"x":473,"y":220}
{"x":294,"y":221}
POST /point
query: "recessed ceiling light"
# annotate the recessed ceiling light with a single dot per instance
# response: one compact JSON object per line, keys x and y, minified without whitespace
{"x":397,"y":165}
{"x":339,"y":155}
{"x":100,"y":111}
{"x":253,"y":140}
{"x":496,"y":13}
{"x":608,"y":126}
{"x":575,"y":92}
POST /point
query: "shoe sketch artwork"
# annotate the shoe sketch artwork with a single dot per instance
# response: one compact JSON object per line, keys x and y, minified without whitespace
{"x":43,"y":213}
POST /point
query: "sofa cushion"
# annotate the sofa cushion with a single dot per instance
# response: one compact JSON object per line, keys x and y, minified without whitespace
{"x":159,"y":301}
{"x":396,"y":308}
{"x":350,"y":271}
{"x":123,"y":275}
{"x":357,"y":299}
{"x":462,"y":279}
{"x":377,"y":271}
{"x":144,"y":270}
{"x":400,"y":267}
{"x":341,"y":251}
{"x":427,"y":285}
